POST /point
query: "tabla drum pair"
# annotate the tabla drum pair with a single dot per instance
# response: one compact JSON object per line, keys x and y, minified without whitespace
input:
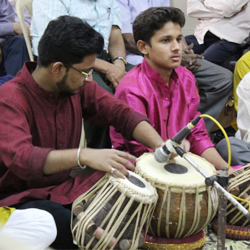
{"x":114,"y":214}
{"x":185,"y":205}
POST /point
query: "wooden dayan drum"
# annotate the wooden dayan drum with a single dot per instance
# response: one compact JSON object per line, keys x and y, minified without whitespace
{"x":239,"y":186}
{"x":114,"y":214}
{"x":185,"y":204}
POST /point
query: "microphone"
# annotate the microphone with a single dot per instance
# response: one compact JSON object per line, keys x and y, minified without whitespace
{"x":162,"y":154}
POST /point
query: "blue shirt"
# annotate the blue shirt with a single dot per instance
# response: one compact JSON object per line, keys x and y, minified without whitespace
{"x":130,"y":9}
{"x":8,"y":16}
{"x":100,"y":14}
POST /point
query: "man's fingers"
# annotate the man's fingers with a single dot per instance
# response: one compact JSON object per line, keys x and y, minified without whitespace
{"x":173,"y":155}
{"x":190,"y":46}
{"x":200,"y":56}
{"x":119,"y":170}
{"x":126,"y":155}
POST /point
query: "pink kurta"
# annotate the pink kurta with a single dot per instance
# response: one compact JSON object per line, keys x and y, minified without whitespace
{"x":168,"y":108}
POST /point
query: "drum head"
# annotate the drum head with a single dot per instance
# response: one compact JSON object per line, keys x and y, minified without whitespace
{"x":175,"y":171}
{"x":135,"y":186}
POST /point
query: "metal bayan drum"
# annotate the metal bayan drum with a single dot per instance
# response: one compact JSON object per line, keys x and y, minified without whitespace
{"x":114,"y":214}
{"x":185,"y":204}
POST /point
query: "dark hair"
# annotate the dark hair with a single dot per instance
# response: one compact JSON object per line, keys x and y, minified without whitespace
{"x":148,"y":22}
{"x":68,"y":39}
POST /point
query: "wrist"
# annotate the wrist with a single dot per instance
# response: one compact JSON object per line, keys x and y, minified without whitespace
{"x":78,"y":158}
{"x":120,"y":58}
{"x":120,"y":64}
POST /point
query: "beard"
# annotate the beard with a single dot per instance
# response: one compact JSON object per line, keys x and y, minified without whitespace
{"x":64,"y":89}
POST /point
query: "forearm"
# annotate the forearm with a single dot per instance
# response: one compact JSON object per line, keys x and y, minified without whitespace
{"x":214,"y":158}
{"x":116,"y":44}
{"x":130,"y":44}
{"x":147,"y":135}
{"x":60,"y":160}
{"x":114,"y":71}
{"x":101,"y":65}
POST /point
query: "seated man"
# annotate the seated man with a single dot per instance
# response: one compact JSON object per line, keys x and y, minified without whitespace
{"x":131,"y":9}
{"x":242,"y":67}
{"x":240,"y":144}
{"x":109,"y":68}
{"x":14,"y":48}
{"x":7,"y":77}
{"x":160,"y":88}
{"x":223,"y":26}
{"x":41,"y":118}
{"x":214,"y":82}
{"x":27,"y":229}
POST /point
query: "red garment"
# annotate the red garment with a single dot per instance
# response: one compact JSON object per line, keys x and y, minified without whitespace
{"x":33,"y":122}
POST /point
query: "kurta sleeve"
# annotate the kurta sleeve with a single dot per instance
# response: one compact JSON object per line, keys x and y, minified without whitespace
{"x":198,"y":137}
{"x":133,"y":99}
{"x":18,"y":153}
{"x":103,"y":108}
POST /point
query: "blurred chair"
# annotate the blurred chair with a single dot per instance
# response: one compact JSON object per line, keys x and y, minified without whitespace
{"x":20,"y":6}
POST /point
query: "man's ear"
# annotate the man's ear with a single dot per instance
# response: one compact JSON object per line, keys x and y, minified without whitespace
{"x":142,"y":47}
{"x":58,"y":68}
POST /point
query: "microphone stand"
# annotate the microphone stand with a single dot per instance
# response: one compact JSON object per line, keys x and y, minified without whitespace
{"x":221,"y":231}
{"x":224,"y":195}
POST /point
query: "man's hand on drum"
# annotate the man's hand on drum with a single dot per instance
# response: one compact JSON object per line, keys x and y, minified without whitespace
{"x":108,"y":160}
{"x":185,"y":145}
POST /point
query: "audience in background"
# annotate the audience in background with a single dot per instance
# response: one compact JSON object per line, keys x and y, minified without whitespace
{"x":130,"y":9}
{"x":223,"y":26}
{"x":214,"y":82}
{"x":7,"y":77}
{"x":14,"y":50}
{"x":240,"y":144}
{"x":110,"y":65}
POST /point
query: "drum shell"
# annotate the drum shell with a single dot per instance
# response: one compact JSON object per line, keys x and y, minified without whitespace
{"x":122,"y":213}
{"x":239,"y":186}
{"x":181,"y":210}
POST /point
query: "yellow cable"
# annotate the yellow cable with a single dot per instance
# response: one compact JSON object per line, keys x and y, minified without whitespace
{"x":225,"y":134}
{"x":229,"y":153}
{"x":240,"y":199}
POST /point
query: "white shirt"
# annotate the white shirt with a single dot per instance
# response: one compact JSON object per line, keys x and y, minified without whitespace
{"x":100,"y":14}
{"x":130,"y":9}
{"x":224,"y":18}
{"x":243,"y":114}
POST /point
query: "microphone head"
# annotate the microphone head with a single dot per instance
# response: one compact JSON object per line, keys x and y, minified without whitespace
{"x":161,"y":156}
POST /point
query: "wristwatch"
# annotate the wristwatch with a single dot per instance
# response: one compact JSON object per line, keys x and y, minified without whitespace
{"x":121,"y":58}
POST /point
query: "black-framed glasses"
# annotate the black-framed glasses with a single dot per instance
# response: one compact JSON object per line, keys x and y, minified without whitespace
{"x":87,"y":75}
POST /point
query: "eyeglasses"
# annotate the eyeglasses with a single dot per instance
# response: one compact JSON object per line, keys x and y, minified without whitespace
{"x":87,"y":75}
